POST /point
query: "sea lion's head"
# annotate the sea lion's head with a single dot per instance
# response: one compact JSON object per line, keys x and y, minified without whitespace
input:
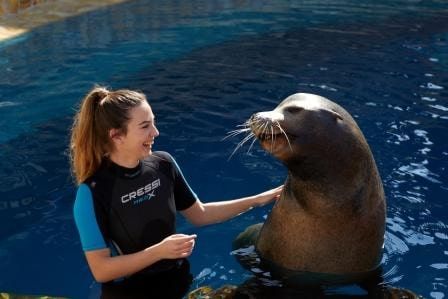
{"x":313,"y":136}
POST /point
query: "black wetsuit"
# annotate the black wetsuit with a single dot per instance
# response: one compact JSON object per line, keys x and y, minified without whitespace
{"x":128,"y":210}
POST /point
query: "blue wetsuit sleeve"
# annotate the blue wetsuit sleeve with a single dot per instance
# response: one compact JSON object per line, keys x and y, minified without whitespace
{"x":85,"y":219}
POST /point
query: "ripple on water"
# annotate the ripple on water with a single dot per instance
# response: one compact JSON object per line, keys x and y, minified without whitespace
{"x":419,"y":169}
{"x":391,"y":275}
{"x":394,"y":245}
{"x":442,"y":236}
{"x":437,"y":295}
{"x":410,"y":236}
{"x":433,"y":86}
{"x":214,"y":275}
{"x":8,"y":104}
{"x":439,"y":107}
{"x":417,"y":238}
{"x":439,"y":266}
{"x":423,"y":134}
{"x":429,"y":99}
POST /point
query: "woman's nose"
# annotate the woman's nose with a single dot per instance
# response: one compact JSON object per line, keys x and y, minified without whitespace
{"x":155,"y":132}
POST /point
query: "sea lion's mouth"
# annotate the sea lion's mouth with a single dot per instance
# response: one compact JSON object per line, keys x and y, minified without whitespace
{"x":270,"y":134}
{"x":268,"y":137}
{"x":274,"y":143}
{"x":266,"y":127}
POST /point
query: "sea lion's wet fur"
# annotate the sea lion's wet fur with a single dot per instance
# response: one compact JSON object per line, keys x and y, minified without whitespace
{"x":331,"y":215}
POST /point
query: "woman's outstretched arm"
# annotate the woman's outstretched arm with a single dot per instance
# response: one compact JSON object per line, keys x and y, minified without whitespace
{"x":207,"y":213}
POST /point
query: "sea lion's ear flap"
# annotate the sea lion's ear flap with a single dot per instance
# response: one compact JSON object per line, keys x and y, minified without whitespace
{"x":335,"y":114}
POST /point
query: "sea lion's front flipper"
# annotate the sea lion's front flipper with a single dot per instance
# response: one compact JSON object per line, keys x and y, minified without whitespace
{"x":248,"y":237}
{"x":244,"y":247}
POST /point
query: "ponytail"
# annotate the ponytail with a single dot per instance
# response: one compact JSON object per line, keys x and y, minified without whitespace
{"x":101,"y":110}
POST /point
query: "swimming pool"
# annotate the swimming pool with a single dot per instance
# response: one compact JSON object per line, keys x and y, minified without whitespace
{"x":206,"y":66}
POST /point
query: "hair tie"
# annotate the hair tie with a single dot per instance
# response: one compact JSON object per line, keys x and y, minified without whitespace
{"x":99,"y":95}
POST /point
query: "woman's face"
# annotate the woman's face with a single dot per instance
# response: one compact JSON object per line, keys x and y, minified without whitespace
{"x":141,"y":132}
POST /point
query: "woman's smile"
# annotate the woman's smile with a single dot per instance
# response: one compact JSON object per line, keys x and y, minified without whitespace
{"x":148,"y":145}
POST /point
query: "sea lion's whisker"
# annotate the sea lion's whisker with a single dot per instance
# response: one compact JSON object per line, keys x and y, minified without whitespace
{"x":245,"y":124}
{"x":248,"y":137}
{"x":266,"y":124}
{"x":235,"y":132}
{"x":258,"y":126}
{"x":252,"y":122}
{"x":240,"y":144}
{"x":284,"y":133}
{"x":252,"y":144}
{"x":257,"y":123}
{"x":239,"y":131}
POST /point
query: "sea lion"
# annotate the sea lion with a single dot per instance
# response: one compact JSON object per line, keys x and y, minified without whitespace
{"x":330,"y":219}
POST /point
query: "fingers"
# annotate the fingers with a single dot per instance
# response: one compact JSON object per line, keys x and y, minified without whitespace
{"x":270,"y":195}
{"x":277,"y":191}
{"x":184,"y":242}
{"x":279,"y":188}
{"x":185,"y":254}
{"x":185,"y":246}
{"x":179,"y":245}
{"x":185,"y":249}
{"x":181,"y":238}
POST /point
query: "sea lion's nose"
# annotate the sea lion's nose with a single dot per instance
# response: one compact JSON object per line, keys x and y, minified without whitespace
{"x":267,"y":116}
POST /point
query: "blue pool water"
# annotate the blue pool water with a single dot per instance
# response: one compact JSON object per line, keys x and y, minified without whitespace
{"x":206,"y":66}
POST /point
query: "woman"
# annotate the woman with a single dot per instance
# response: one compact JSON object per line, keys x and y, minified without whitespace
{"x":128,"y":196}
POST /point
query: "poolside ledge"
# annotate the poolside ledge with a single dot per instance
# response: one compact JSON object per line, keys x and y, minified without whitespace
{"x":20,"y":16}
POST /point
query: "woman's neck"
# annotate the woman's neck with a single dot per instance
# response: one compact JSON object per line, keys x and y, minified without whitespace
{"x":123,"y":160}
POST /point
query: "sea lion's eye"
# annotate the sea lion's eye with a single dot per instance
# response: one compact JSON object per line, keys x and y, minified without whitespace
{"x":293,"y":109}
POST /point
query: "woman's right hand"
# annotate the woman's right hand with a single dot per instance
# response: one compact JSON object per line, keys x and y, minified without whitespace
{"x":177,"y":246}
{"x":106,"y":267}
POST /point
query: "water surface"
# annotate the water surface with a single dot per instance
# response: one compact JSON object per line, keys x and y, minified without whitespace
{"x":206,"y":66}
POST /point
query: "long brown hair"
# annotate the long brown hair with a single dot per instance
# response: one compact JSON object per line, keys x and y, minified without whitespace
{"x":101,"y":110}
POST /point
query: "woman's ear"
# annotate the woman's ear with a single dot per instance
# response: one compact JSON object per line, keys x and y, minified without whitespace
{"x":116,"y":136}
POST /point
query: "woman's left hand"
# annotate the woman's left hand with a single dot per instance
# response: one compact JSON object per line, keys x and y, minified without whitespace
{"x":268,"y":196}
